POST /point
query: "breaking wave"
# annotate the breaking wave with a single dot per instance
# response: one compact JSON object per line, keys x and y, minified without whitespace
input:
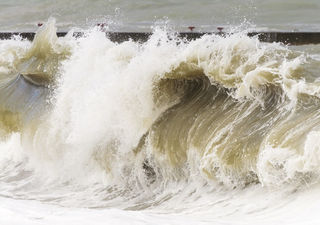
{"x":144,"y":125}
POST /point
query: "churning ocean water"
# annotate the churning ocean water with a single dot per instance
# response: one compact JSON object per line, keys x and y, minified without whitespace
{"x":218,"y":130}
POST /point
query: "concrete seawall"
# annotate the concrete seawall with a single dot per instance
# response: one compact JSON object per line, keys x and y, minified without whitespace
{"x":292,"y":38}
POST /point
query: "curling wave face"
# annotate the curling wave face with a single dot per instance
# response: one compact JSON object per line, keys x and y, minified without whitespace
{"x":144,"y":125}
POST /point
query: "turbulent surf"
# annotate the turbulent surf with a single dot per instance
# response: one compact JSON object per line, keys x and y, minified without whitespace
{"x":168,"y":125}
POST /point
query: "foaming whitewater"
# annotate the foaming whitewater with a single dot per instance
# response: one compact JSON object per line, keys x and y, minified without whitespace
{"x":210,"y":130}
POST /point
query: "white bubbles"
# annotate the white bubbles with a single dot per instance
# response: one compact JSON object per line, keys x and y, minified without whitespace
{"x":278,"y":167}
